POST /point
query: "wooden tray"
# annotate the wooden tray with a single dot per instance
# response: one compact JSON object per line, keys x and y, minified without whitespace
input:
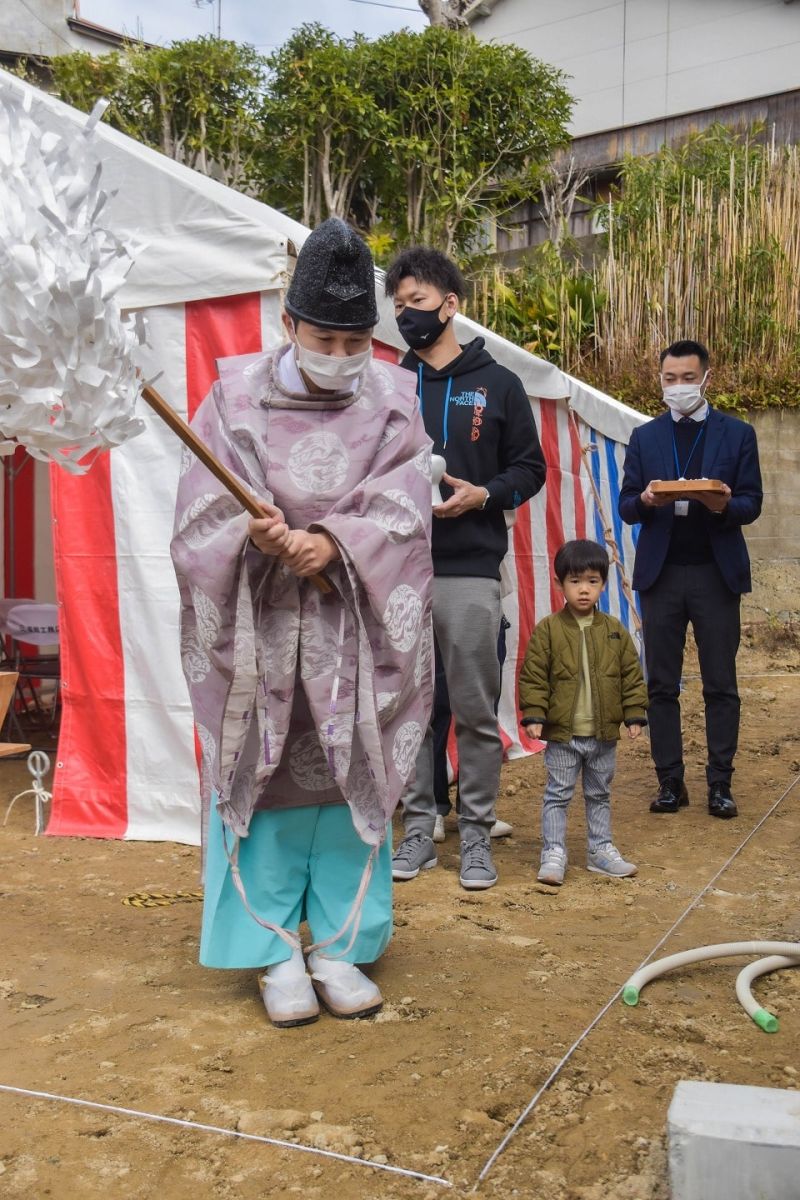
{"x":686,"y":487}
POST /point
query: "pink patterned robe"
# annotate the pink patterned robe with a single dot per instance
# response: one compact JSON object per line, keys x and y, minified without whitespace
{"x":303,"y":698}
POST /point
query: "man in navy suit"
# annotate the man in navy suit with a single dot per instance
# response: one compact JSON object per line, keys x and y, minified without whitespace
{"x":691,"y":565}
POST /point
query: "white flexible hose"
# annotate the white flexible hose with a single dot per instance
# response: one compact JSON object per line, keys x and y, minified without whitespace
{"x":785,"y":953}
{"x":762,"y":966}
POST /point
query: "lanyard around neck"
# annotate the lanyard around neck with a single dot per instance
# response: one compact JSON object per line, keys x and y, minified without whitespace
{"x":681,"y":474}
{"x":446,"y":402}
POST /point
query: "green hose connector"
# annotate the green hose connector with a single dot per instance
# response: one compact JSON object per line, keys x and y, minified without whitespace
{"x":630,"y":995}
{"x":765,"y":1020}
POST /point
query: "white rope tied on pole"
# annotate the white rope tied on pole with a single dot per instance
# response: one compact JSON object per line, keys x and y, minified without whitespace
{"x":68,"y":384}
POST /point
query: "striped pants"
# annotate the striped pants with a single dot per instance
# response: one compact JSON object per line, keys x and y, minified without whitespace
{"x":565,"y":761}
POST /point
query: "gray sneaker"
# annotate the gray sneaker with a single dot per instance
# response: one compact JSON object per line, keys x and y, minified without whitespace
{"x":414,"y":854}
{"x":607,"y":860}
{"x":477,"y":868}
{"x":553,"y":866}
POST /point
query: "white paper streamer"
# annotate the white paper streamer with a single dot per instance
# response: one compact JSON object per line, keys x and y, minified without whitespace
{"x":67,"y":380}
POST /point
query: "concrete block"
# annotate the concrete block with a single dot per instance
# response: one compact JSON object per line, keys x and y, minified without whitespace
{"x":728,"y":1142}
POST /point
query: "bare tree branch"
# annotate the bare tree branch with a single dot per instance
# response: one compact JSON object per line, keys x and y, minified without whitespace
{"x":445,"y":14}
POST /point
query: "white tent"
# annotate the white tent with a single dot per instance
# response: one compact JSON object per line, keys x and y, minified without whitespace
{"x":210,"y":279}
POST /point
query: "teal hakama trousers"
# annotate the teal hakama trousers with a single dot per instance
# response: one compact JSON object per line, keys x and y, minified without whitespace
{"x":297,"y":864}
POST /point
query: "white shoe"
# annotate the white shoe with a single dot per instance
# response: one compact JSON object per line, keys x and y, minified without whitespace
{"x":553,"y":866}
{"x":501,"y":829}
{"x":343,"y":989}
{"x":288,"y":993}
{"x":607,"y":860}
{"x":438,"y":828}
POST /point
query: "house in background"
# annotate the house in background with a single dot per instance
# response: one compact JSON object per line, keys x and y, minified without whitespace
{"x":649,"y":72}
{"x":39,"y":29}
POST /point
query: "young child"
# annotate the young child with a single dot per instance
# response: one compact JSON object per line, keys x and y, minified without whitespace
{"x":580,"y":679}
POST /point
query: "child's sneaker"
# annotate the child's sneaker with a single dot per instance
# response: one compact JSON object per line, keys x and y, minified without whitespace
{"x":553,"y":866}
{"x":438,"y":828}
{"x":607,"y":860}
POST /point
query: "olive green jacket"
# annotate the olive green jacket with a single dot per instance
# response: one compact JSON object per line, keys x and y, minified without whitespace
{"x":550,"y":676}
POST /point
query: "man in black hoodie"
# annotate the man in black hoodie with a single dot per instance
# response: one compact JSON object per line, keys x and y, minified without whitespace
{"x":480,"y":420}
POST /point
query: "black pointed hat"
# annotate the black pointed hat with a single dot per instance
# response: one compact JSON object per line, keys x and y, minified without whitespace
{"x":333,"y":284}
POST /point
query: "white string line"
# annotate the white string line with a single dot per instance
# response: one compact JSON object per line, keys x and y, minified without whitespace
{"x":235,"y":1133}
{"x":560,"y":1065}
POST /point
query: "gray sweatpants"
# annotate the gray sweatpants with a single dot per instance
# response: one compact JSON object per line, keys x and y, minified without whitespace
{"x":565,"y":761}
{"x":466,"y":621}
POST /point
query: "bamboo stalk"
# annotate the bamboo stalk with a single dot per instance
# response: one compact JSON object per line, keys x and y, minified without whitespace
{"x":723,"y":268}
{"x":716,"y":261}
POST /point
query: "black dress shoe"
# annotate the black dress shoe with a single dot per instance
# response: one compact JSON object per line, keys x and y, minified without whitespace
{"x":672,"y":795}
{"x":721,"y":802}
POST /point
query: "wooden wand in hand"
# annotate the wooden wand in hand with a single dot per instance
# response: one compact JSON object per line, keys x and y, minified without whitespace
{"x":220,"y":472}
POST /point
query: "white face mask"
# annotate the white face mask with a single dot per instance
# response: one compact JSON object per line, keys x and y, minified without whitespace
{"x":331,"y":373}
{"x":685,"y":398}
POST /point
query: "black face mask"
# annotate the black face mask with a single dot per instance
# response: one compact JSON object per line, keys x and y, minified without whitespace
{"x":421,"y":327}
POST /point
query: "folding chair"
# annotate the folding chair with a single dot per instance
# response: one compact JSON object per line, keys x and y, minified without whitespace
{"x":36,"y":625}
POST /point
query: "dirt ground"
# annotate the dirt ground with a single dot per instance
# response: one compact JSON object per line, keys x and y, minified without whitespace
{"x":484,"y":995}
